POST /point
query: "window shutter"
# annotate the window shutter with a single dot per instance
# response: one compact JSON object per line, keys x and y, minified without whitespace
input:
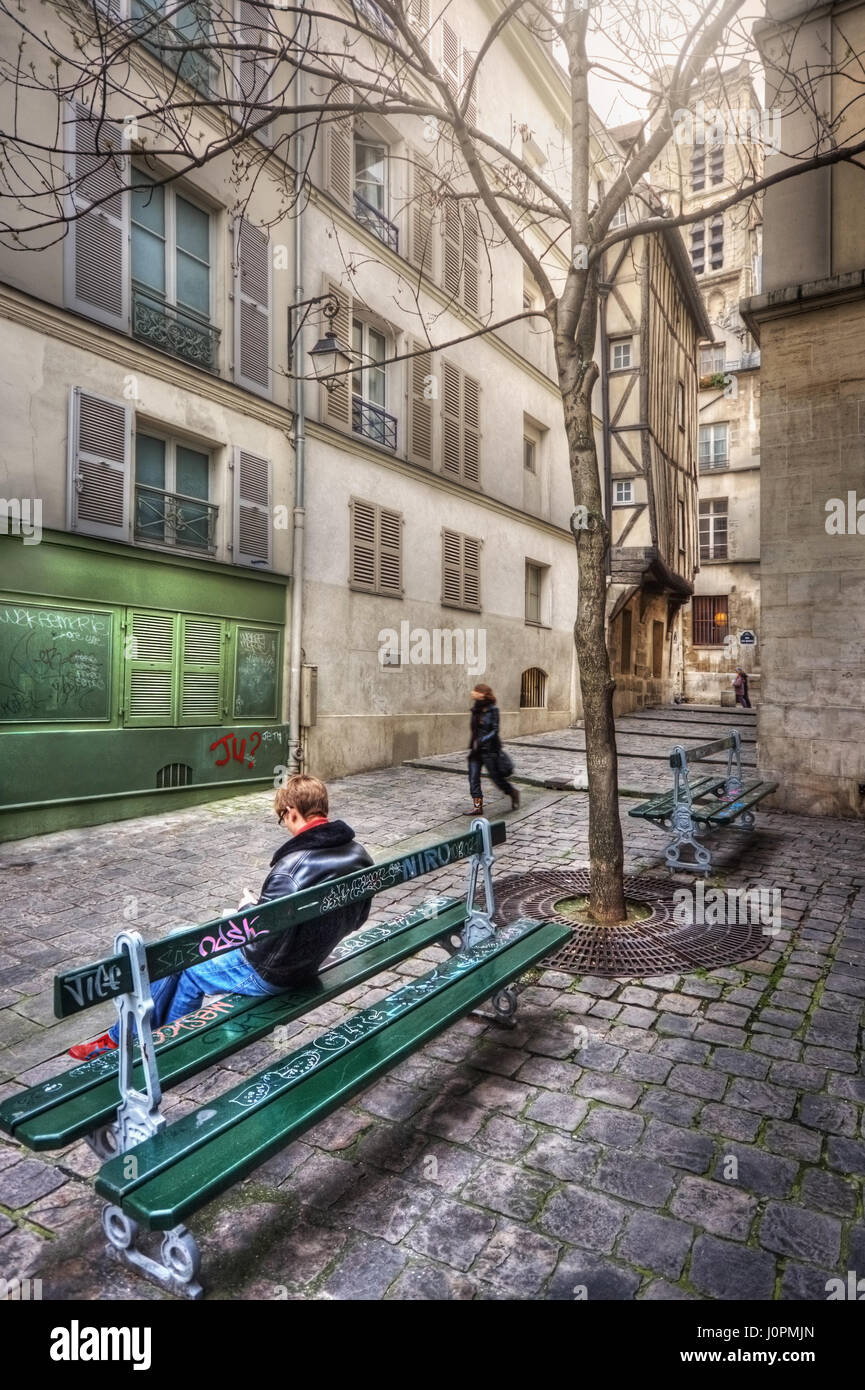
{"x":451,"y":419}
{"x":452,"y":563}
{"x":150,"y":669}
{"x":418,"y":14}
{"x":451,"y":257}
{"x":339,"y":172}
{"x":252,"y":529}
{"x":336,"y":404}
{"x":420,"y":443}
{"x":450,"y":59}
{"x":252,"y":308}
{"x":471,"y":572}
{"x":96,"y":269}
{"x":389,"y":552}
{"x":99,"y":454}
{"x":471,"y":238}
{"x":467,"y":60}
{"x":253,"y":70}
{"x":363,"y":566}
{"x":201,"y":677}
{"x":471,"y":430}
{"x":421,"y":198}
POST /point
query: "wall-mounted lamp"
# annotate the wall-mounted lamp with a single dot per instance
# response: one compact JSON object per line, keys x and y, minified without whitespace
{"x":330,"y":360}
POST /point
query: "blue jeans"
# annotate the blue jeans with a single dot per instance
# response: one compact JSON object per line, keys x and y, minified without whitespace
{"x":182,"y":993}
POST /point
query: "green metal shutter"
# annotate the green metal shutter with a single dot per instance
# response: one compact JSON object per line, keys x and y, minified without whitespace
{"x":149,"y":675}
{"x":201,"y":679}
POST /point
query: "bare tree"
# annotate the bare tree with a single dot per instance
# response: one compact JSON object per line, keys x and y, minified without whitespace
{"x":285,"y":74}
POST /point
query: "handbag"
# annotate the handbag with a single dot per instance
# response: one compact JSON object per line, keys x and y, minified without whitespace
{"x":504,"y":763}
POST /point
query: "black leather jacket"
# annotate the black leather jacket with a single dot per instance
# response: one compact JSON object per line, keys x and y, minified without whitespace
{"x":488,"y":732}
{"x":322,"y":852}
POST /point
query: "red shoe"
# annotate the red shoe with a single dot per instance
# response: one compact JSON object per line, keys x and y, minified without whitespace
{"x":84,"y":1051}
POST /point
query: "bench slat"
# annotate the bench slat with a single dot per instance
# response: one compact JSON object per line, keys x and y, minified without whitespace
{"x":661,"y":805}
{"x":696,"y":755}
{"x":55,"y":1112}
{"x":80,"y":989}
{"x":197,"y":1158}
{"x":722,"y":812}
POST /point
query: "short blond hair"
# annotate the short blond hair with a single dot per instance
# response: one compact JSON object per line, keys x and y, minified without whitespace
{"x":306,"y":794}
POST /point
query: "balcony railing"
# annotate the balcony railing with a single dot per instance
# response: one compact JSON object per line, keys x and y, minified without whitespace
{"x":170,"y":518}
{"x":373,"y":422}
{"x":172,"y":330}
{"x":376,"y":222}
{"x":712,"y":462}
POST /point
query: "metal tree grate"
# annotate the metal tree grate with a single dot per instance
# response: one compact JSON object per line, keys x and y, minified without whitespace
{"x":654,"y":946}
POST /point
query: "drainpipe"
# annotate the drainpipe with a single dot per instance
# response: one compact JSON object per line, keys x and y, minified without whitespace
{"x":295,"y":750}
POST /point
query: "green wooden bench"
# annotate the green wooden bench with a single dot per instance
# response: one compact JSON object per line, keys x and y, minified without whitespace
{"x":155,"y":1174}
{"x":695,"y":804}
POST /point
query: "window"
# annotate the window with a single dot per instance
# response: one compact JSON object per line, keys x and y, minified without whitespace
{"x":712,"y":359}
{"x":698,"y":247}
{"x":461,"y":438}
{"x":698,"y":169}
{"x":624,"y":492}
{"x":680,"y":404}
{"x":716,"y":164}
{"x":621,"y":354}
{"x":369,"y":385}
{"x":533,"y":688}
{"x":171,"y":260}
{"x":680,"y":508}
{"x":625,"y":665}
{"x":716,"y":243}
{"x":371,"y":190}
{"x":376,"y":549}
{"x":713,"y":528}
{"x":455,"y":67}
{"x":461,"y":561}
{"x":172,"y":490}
{"x":619,"y":218}
{"x":710,"y":621}
{"x":529,"y":454}
{"x":460,"y":253}
{"x":535,"y":575}
{"x":161,"y":25}
{"x":714,"y":447}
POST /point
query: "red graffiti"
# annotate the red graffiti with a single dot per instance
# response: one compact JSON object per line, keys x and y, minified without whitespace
{"x":232,"y":750}
{"x":229,"y":937}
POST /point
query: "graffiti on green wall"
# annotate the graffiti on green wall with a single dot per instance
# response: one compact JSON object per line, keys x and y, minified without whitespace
{"x":55,"y":664}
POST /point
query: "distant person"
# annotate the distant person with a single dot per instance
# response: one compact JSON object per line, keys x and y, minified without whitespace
{"x":317,"y":849}
{"x":485,"y":750}
{"x":740,"y":685}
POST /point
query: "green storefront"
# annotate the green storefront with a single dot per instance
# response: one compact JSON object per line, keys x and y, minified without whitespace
{"x":133,"y":682}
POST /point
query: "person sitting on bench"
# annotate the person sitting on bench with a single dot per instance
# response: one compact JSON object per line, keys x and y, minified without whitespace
{"x":317,"y":849}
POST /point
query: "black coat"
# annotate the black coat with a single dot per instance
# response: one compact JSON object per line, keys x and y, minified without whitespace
{"x":485,"y":720}
{"x":322,"y":852}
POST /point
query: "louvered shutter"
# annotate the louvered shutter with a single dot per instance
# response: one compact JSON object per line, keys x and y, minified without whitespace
{"x":471,"y":239}
{"x":471,"y":421}
{"x":150,"y":669}
{"x":202,"y":671}
{"x":113,"y":9}
{"x":389,"y":552}
{"x":418,"y":14}
{"x":471,"y":572}
{"x":363,"y":528}
{"x":339,"y":159}
{"x":451,"y":251}
{"x":253,"y":70}
{"x":451,"y":419}
{"x":467,"y":60}
{"x":96,"y":269}
{"x":252,"y":308}
{"x":420,"y":444}
{"x":450,"y":59}
{"x":99,"y":454}
{"x":421,"y":186}
{"x":252,"y":517}
{"x":336,"y":403}
{"x":452,"y":566}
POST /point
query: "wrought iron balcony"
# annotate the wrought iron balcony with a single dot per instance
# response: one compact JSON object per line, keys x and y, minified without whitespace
{"x":173,"y":330}
{"x":376,"y":222}
{"x":373,"y":422}
{"x":712,"y":463}
{"x":170,"y":518}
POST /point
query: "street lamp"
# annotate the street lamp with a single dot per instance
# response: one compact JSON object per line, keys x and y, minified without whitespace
{"x":330,"y":360}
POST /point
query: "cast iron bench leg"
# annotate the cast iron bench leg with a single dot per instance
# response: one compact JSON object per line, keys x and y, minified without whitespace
{"x":683,"y":834}
{"x":180,"y":1265}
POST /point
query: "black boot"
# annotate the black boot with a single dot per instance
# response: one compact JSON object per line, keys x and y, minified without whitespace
{"x":515,"y":799}
{"x":477,"y":808}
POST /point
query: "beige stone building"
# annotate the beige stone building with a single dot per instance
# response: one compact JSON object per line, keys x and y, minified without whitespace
{"x":809,"y":320}
{"x":719,"y":143}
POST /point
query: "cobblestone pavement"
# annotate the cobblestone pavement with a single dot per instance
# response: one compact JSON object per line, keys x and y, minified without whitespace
{"x":702,"y":1140}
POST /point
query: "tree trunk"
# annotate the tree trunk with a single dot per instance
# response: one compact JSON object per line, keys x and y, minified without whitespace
{"x":591,"y":535}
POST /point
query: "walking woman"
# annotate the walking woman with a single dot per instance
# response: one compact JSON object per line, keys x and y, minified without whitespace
{"x":486,"y":750}
{"x":740,"y":685}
